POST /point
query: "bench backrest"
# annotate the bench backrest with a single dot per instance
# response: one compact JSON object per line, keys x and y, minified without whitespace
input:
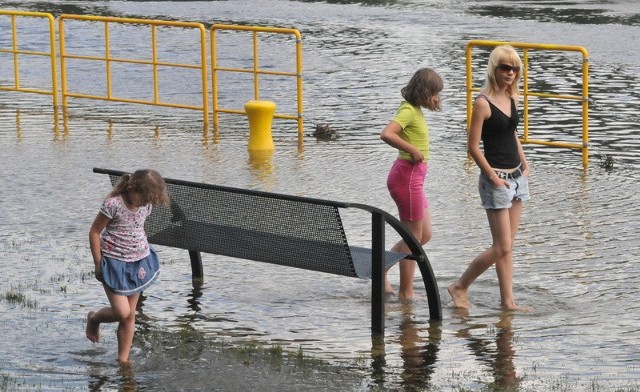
{"x":296,"y":232}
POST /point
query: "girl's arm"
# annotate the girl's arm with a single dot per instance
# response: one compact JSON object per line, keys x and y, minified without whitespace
{"x":481,"y":111}
{"x":391,"y":135}
{"x":99,"y":223}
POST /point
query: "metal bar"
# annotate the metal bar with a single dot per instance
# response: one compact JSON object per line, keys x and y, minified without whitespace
{"x":154,"y":61}
{"x":258,"y":71}
{"x":525,"y":87}
{"x":237,"y":111}
{"x":14,"y":49}
{"x":299,"y":87}
{"x":132,"y":100}
{"x":63,"y":67}
{"x":214,"y":81}
{"x":107,"y":56}
{"x":203,"y":67}
{"x":197,"y":272}
{"x":585,"y":108}
{"x":555,"y":144}
{"x":54,"y":68}
{"x":256,"y":81}
{"x":377,"y":273}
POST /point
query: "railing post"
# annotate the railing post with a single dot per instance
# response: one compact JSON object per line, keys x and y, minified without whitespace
{"x":377,"y":272}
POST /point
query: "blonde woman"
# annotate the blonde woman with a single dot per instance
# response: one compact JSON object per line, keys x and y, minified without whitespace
{"x":504,"y":171}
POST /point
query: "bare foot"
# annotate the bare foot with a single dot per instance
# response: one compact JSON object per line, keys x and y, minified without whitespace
{"x":460,"y":299}
{"x":516,"y":308}
{"x":387,"y":288}
{"x":93,"y":328}
{"x":406,"y":295}
{"x":124,"y":363}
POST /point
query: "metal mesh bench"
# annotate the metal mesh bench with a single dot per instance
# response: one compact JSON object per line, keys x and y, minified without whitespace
{"x":280,"y":229}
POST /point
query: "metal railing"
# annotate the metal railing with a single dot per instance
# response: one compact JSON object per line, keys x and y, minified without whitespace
{"x":16,"y":52}
{"x":106,"y":61}
{"x":255,"y":69}
{"x":153,"y":61}
{"x":526,"y":93}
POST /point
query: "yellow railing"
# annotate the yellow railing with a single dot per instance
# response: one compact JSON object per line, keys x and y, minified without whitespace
{"x":16,"y":52}
{"x":257,"y":71}
{"x":107,"y":60}
{"x":153,"y":61}
{"x":583,"y":98}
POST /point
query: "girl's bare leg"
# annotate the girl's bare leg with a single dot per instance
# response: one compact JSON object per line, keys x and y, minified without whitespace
{"x":127,"y":329}
{"x":499,"y":222}
{"x":93,"y":328}
{"x":123,"y":311}
{"x":504,"y":266}
{"x":422,"y":230}
{"x":104,"y":315}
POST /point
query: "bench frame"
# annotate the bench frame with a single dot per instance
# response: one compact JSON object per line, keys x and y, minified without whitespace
{"x":378,"y":220}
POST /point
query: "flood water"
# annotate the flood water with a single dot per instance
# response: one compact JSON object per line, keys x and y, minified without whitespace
{"x":575,"y":255}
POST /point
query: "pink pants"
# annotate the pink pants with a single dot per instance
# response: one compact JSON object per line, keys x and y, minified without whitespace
{"x":406,"y":185}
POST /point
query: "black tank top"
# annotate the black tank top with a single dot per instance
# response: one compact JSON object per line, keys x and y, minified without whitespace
{"x":498,"y":138}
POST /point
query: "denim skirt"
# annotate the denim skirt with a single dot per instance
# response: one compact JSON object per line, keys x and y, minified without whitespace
{"x":128,"y":278}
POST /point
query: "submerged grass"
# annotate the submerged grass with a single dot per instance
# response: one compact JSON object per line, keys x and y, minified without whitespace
{"x":276,"y":364}
{"x":17,"y":298}
{"x":242,"y":365}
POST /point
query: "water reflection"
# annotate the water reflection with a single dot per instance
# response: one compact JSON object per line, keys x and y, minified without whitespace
{"x":419,"y":354}
{"x":120,"y":377}
{"x":261,"y":164}
{"x":195,"y":295}
{"x":497,"y":352}
{"x":18,"y":126}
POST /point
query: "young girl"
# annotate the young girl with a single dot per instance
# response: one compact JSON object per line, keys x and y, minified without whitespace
{"x":124,"y":262}
{"x":409,"y":133}
{"x":504,"y":170}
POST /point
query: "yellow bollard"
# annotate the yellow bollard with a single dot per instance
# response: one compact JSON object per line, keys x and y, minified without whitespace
{"x":260,"y":114}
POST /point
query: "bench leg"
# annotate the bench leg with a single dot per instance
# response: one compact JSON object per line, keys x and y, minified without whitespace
{"x":377,"y":273}
{"x":196,"y":264}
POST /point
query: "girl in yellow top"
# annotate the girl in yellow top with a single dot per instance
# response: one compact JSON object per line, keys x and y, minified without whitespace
{"x":409,"y":133}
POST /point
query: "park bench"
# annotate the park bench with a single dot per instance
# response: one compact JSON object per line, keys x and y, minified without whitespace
{"x":281,"y":229}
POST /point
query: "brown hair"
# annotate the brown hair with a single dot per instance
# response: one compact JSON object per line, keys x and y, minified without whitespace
{"x":423,"y":89}
{"x":147,"y":183}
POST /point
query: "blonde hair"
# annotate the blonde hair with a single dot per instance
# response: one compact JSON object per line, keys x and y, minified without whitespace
{"x":149,"y":184}
{"x":503,"y":54}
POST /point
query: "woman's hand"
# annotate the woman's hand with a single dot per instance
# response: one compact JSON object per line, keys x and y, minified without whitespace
{"x":497,"y":181}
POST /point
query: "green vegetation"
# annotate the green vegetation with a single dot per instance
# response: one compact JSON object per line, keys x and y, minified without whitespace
{"x":19,"y":299}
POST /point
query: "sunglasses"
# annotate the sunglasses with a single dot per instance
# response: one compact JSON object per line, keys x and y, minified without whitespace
{"x":508,"y":68}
